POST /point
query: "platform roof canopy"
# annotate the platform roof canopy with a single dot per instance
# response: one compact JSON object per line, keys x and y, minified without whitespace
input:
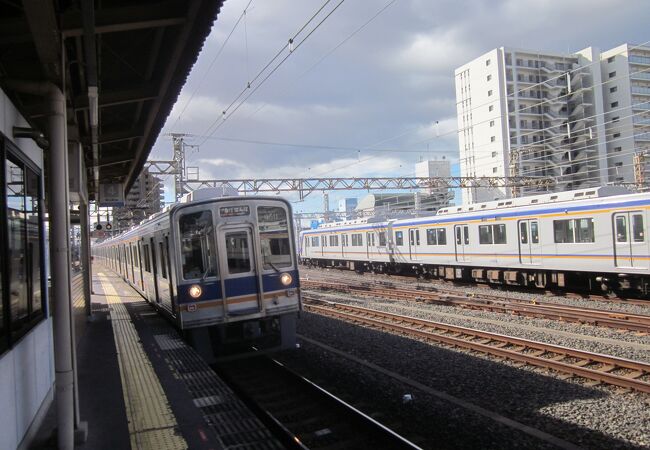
{"x":137,"y":53}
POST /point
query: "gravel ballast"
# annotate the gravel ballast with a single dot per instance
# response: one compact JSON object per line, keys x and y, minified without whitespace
{"x":590,"y":417}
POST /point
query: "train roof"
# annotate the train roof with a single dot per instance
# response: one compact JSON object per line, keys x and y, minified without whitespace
{"x":187,"y":202}
{"x":501,"y":207}
{"x":581,"y":194}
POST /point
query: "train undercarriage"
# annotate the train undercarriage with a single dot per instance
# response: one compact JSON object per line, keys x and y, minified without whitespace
{"x":620,"y":284}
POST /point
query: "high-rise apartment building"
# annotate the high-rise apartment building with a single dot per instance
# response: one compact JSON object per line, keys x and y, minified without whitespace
{"x":528,"y":113}
{"x":627,"y":104}
{"x":145,"y":198}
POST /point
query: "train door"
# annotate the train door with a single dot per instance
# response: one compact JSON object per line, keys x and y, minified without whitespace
{"x":630,"y":244}
{"x":238,"y":269}
{"x":369,"y":244}
{"x":530,"y":249}
{"x":167,"y":262}
{"x":414,"y":243}
{"x":461,"y":233}
{"x":154,"y":269}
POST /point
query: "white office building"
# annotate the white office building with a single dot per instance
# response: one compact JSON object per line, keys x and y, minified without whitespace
{"x":551,"y":115}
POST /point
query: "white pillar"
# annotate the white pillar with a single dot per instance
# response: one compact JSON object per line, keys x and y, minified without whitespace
{"x":60,"y":267}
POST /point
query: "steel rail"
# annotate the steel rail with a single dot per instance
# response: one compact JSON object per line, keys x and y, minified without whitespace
{"x":547,"y":310}
{"x":594,"y":366}
{"x":302,"y":413}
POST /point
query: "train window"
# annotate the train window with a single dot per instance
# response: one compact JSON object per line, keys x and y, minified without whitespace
{"x":574,"y":230}
{"x":315,"y":241}
{"x":163,"y":265}
{"x":534,"y":233}
{"x":306,"y":241}
{"x":431,"y":237}
{"x":621,"y":229}
{"x":585,"y":229}
{"x":324,"y":241}
{"x":485,"y":234}
{"x":274,"y":237}
{"x":237,"y":252}
{"x":466,"y":234}
{"x":399,"y":238}
{"x":563,"y":231}
{"x":197,"y":245}
{"x":382,"y":238}
{"x":499,"y":232}
{"x":436,"y":236}
{"x":334,"y":241}
{"x":147,"y":261}
{"x":459,"y":238}
{"x":357,"y":240}
{"x":637,"y":228}
{"x":493,"y":234}
{"x":523,"y":232}
{"x":167,"y":261}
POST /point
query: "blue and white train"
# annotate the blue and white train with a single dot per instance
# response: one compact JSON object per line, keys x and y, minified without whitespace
{"x":223,"y":270}
{"x":591,"y":238}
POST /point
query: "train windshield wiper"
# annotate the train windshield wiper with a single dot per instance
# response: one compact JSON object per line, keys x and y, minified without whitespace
{"x":273,"y":266}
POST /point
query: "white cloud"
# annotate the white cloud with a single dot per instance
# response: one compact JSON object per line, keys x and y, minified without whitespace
{"x":440,"y":51}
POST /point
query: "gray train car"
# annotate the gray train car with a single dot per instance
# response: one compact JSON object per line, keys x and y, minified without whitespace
{"x":594,"y":238}
{"x":223,"y":270}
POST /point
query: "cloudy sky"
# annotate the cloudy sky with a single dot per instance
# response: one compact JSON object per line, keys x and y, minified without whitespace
{"x":374,"y":92}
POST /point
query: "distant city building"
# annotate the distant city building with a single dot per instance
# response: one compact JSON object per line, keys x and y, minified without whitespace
{"x":395,"y":203}
{"x":580,"y":119}
{"x":146,"y":197}
{"x":436,"y":197}
{"x":347,"y":206}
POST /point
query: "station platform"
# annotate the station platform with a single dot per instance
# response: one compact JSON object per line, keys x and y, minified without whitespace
{"x":142,"y":387}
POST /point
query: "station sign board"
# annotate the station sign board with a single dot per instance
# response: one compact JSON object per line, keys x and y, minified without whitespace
{"x":111,"y":194}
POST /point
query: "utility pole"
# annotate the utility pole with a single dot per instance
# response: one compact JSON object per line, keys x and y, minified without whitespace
{"x":179,"y":163}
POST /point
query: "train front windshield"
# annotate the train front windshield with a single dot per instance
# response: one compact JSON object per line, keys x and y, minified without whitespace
{"x":274,"y":237}
{"x":197,"y":245}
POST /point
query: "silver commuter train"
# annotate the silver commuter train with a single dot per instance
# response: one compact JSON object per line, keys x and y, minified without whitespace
{"x":223,"y":270}
{"x":591,"y":238}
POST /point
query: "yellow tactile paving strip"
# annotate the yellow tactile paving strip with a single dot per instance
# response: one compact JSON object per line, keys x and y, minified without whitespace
{"x":152,"y":425}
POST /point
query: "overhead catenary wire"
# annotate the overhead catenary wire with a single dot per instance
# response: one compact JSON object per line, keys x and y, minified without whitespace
{"x":292,"y":46}
{"x":406,"y":150}
{"x":298,"y":45}
{"x":329,"y":52}
{"x":214,"y":59}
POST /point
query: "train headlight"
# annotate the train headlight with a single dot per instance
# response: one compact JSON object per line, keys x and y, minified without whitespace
{"x":195,"y":291}
{"x":286,"y":279}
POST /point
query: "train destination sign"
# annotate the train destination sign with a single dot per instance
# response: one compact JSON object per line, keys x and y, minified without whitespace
{"x":231,"y":211}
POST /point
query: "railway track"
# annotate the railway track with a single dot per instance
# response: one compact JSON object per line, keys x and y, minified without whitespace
{"x":592,"y":366}
{"x":300,"y":413}
{"x":439,"y":284}
{"x":619,"y":320}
